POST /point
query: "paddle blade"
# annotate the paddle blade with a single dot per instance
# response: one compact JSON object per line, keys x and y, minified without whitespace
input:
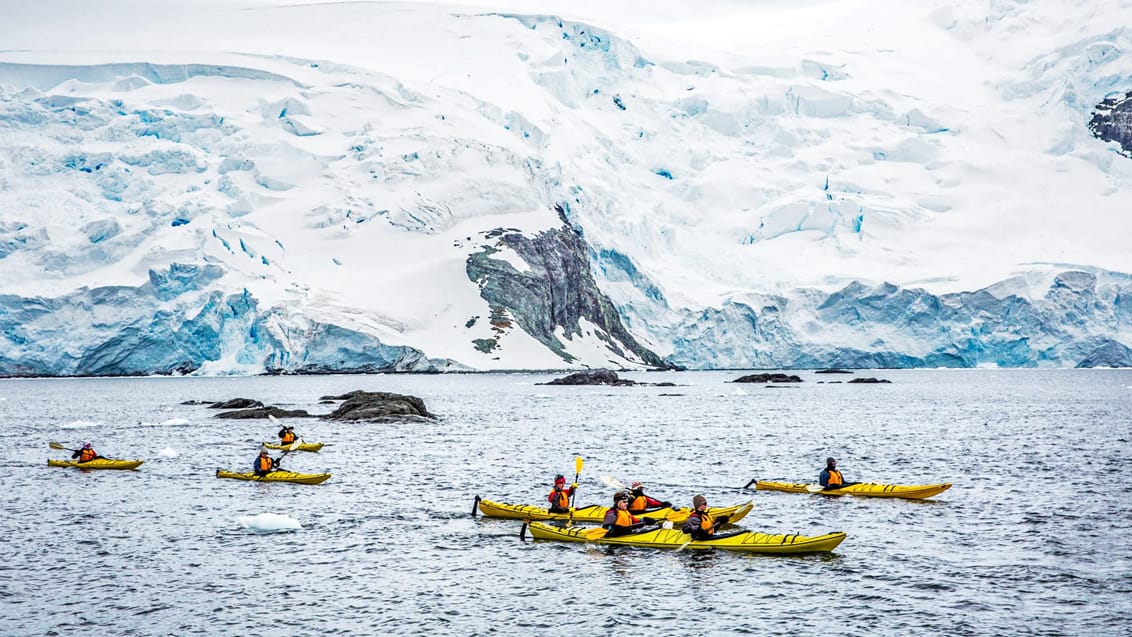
{"x":595,"y":534}
{"x":295,"y":445}
{"x":578,"y":462}
{"x":683,"y":546}
{"x":56,"y":445}
{"x":613,"y":482}
{"x":814,"y":488}
{"x":273,"y":419}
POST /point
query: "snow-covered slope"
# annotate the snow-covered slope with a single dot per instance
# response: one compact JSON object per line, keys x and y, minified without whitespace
{"x":230,"y":187}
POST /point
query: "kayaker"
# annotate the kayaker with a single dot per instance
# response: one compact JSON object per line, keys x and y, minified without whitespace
{"x":287,"y":435}
{"x":86,"y":454}
{"x":700,"y":525}
{"x":831,"y":478}
{"x":264,"y":463}
{"x":618,"y":520}
{"x":640,"y":503}
{"x":559,"y":497}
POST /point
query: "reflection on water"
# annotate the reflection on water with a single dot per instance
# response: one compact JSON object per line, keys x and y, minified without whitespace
{"x":1032,"y":539}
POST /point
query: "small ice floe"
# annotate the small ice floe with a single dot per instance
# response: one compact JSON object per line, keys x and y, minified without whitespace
{"x":168,"y":452}
{"x":741,"y":392}
{"x":79,"y":424}
{"x":172,"y":422}
{"x":269,"y":523}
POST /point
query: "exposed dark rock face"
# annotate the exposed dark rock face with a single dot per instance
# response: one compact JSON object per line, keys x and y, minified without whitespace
{"x":593,"y":377}
{"x":556,"y":293}
{"x":1109,"y":354}
{"x":869,"y":380}
{"x":1112,"y":122}
{"x":377,"y":406}
{"x":236,"y":403}
{"x":833,"y":371}
{"x":263,"y":412}
{"x":768,"y":378}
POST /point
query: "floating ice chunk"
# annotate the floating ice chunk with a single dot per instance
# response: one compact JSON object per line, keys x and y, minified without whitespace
{"x":175,"y":422}
{"x":168,"y":452}
{"x":79,"y":424}
{"x":268,"y":523}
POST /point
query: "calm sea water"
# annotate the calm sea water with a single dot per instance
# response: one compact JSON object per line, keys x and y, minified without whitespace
{"x":1033,"y":539}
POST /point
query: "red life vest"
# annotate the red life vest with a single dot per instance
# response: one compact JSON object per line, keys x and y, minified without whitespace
{"x":86,"y":455}
{"x":835,"y":479}
{"x":264,"y":464}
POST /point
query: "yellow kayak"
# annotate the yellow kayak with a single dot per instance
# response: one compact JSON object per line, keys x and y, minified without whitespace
{"x":303,"y":446}
{"x":276,"y":476}
{"x":745,"y":541}
{"x":97,"y":463}
{"x":596,"y":513}
{"x":911,"y":492}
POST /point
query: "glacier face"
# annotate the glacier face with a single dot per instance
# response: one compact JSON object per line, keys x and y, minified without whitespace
{"x":924,"y":193}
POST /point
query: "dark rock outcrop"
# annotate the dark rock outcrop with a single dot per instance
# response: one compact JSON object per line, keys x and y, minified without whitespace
{"x":377,"y":406}
{"x":556,"y":292}
{"x":593,"y":377}
{"x":263,"y":412}
{"x":236,"y":403}
{"x":1112,"y":122}
{"x":833,"y":371}
{"x":1109,"y":354}
{"x":869,"y":380}
{"x":768,"y":378}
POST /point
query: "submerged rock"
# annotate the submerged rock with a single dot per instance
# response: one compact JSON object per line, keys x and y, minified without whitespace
{"x":869,"y":380}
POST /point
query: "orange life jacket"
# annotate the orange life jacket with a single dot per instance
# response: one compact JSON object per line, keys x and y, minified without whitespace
{"x":264,"y":464}
{"x":706,"y":523}
{"x":559,"y":498}
{"x":639,"y":503}
{"x":288,"y":437}
{"x":624,"y":518}
{"x":835,"y":479}
{"x":86,"y":455}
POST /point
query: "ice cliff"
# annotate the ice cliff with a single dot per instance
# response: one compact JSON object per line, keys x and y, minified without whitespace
{"x":422,"y":189}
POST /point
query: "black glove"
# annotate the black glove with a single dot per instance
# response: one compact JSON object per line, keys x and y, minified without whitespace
{"x":723,"y":519}
{"x":667,"y":505}
{"x":275,"y":463}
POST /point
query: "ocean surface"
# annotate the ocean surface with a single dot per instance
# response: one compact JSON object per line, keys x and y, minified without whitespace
{"x":1034,"y":538}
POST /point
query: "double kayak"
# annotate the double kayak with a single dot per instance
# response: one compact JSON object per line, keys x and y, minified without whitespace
{"x":97,"y":463}
{"x":744,"y":541}
{"x":596,"y":513}
{"x":908,"y":491}
{"x":276,"y":476}
{"x":303,"y":446}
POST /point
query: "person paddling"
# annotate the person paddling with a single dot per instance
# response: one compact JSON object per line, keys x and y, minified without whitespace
{"x":640,"y":503}
{"x":559,"y":497}
{"x":618,"y":520}
{"x":264,"y":463}
{"x":86,"y":454}
{"x":287,"y":435}
{"x":831,"y":478}
{"x":699,"y":524}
